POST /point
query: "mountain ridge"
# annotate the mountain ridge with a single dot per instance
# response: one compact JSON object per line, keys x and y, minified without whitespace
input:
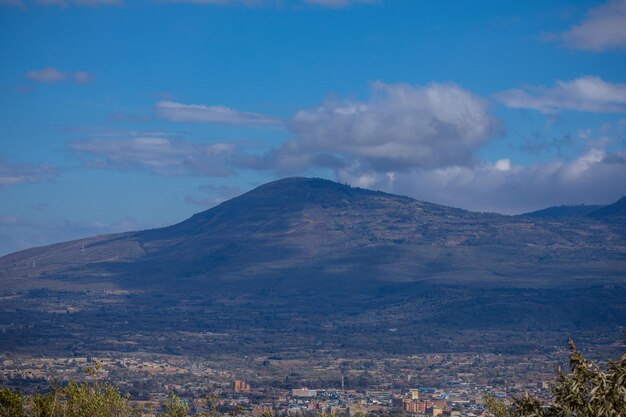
{"x":303,"y":216}
{"x":596,"y":211}
{"x":276,"y":266}
{"x":578,"y":210}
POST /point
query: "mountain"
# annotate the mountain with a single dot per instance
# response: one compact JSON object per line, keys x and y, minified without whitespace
{"x":306,"y":263}
{"x":615,"y":210}
{"x":564,"y":211}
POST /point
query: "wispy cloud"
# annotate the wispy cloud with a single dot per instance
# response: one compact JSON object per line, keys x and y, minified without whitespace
{"x":339,"y":3}
{"x":158,"y":155}
{"x":60,"y":3}
{"x":47,"y":75}
{"x":328,"y":4}
{"x":89,"y":3}
{"x":250,"y":3}
{"x":15,"y":173}
{"x":332,"y":4}
{"x":53,"y":75}
{"x":198,"y":113}
{"x":603,"y":29}
{"x":588,"y":94}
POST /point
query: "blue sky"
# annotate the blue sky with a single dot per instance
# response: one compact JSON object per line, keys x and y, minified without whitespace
{"x":122,"y":115}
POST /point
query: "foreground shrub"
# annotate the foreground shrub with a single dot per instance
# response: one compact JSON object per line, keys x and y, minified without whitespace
{"x":588,"y":390}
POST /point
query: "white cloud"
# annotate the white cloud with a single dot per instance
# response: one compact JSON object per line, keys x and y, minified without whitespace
{"x":161,"y":156}
{"x":15,"y":173}
{"x":604,"y":28}
{"x":593,"y":178}
{"x":400,"y":126}
{"x":177,"y":112}
{"x":589,"y":94}
{"x":503,"y":164}
{"x":53,"y":75}
{"x":423,"y":142}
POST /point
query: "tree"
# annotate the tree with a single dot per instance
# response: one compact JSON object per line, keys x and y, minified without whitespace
{"x":76,"y":399}
{"x":98,"y":400}
{"x":586,"y":391}
{"x":11,"y":403}
{"x":174,"y":407}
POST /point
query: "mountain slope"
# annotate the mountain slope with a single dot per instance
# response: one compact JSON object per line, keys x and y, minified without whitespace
{"x":615,"y":210}
{"x":564,"y":211}
{"x":298,"y":223}
{"x":313,"y":260}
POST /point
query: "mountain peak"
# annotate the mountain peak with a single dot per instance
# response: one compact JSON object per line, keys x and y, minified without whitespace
{"x":301,"y":184}
{"x":295,"y":193}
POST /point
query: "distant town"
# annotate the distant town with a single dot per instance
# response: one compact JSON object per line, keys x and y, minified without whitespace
{"x":421,"y":385}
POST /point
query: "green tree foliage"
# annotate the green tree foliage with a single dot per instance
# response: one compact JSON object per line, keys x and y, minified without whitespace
{"x":76,"y":399}
{"x":97,"y":400}
{"x":212,"y":401}
{"x":174,"y":407}
{"x":11,"y":403}
{"x":588,"y":390}
{"x":94,"y":399}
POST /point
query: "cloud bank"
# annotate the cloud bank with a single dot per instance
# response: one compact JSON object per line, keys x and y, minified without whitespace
{"x":423,"y":141}
{"x":594,"y":177}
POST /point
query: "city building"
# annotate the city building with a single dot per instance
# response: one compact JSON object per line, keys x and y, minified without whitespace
{"x":303,"y":392}
{"x":240,"y":386}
